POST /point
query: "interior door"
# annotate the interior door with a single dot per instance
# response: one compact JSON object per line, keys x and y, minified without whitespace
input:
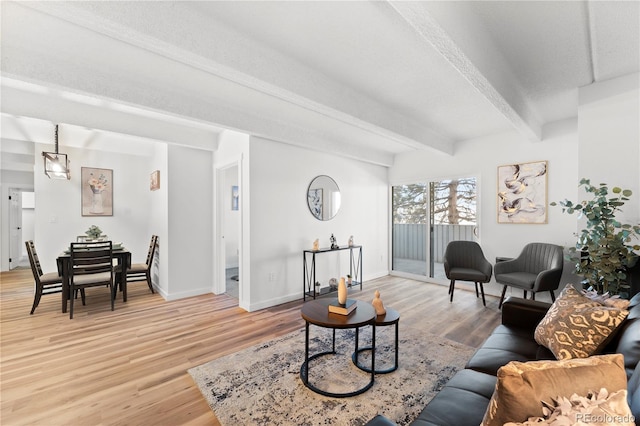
{"x":15,"y":227}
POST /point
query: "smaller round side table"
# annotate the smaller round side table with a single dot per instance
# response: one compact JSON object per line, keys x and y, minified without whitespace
{"x":392,"y":317}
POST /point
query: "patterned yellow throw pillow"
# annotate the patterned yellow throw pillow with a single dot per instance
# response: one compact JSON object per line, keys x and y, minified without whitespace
{"x":576,"y":326}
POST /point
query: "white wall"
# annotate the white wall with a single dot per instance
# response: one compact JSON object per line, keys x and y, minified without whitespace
{"x":189,"y":246}
{"x":602,"y":144}
{"x":282,"y":226}
{"x":609,"y":129}
{"x":158,"y":221}
{"x":481,"y":158}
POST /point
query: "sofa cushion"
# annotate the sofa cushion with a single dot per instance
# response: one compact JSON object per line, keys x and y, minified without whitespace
{"x":503,"y":345}
{"x":469,"y":389}
{"x":576,"y":326}
{"x":522,"y":387}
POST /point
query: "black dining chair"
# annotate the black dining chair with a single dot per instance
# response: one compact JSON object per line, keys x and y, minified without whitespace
{"x":464,"y":261}
{"x":139,"y":271}
{"x":45,"y":283}
{"x":91,"y":266}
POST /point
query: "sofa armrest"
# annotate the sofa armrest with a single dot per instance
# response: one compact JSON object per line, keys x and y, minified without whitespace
{"x":379,"y":420}
{"x":523,"y":313}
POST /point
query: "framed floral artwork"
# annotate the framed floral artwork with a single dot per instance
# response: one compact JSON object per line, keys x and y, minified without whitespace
{"x":97,"y":191}
{"x":522,"y":193}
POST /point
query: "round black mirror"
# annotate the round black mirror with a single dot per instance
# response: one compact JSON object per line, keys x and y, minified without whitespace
{"x":323,"y":197}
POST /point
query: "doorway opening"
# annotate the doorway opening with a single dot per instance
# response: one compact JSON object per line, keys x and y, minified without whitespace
{"x":231,"y":226}
{"x":228,"y":260}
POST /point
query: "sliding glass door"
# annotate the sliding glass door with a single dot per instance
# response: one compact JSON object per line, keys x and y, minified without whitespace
{"x":426,"y":216}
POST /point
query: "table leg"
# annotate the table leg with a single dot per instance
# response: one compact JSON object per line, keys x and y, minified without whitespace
{"x":397,"y":357}
{"x":373,"y":351}
{"x":355,"y":360}
{"x":125,"y":264}
{"x":65,"y":283}
{"x":306,"y":353}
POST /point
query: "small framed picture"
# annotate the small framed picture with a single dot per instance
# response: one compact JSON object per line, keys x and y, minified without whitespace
{"x":155,"y":180}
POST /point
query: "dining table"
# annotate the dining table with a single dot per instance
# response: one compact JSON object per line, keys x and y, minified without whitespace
{"x":119,"y":253}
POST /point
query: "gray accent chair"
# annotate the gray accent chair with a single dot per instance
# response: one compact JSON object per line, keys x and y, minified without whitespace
{"x":537,"y":268}
{"x":465,"y":261}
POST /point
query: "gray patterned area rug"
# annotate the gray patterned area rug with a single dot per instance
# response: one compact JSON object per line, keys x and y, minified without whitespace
{"x":261,"y":385}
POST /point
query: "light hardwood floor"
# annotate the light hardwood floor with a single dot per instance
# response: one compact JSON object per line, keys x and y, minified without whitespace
{"x":129,"y":366}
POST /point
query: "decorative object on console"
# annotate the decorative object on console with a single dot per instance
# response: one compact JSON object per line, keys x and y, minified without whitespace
{"x":378,"y":305}
{"x":334,"y":246}
{"x":522,"y":193}
{"x":351,"y":241}
{"x":576,"y":326}
{"x":342,"y":292}
{"x":603,"y":253}
{"x":333,"y":284}
{"x":97,"y":193}
{"x":349,"y":280}
{"x":316,"y":245}
{"x":317,"y":287}
{"x":346,"y":308}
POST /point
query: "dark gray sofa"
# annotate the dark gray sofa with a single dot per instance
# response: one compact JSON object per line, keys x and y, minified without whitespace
{"x":464,"y":399}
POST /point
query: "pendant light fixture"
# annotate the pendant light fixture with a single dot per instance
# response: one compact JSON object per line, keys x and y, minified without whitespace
{"x":56,"y":165}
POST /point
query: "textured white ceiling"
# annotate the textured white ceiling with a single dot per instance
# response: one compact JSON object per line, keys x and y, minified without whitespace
{"x":363,"y":79}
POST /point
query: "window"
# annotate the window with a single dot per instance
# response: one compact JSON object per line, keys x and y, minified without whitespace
{"x":426,"y":216}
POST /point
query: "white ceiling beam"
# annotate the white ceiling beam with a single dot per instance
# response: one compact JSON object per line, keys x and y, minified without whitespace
{"x":516,"y":111}
{"x":364,"y":114}
{"x":59,"y":106}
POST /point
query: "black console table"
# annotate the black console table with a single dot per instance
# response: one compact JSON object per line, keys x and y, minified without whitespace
{"x":309,"y":269}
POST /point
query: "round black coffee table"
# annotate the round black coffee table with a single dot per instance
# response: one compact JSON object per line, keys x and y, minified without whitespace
{"x":316,"y":312}
{"x":391,"y":317}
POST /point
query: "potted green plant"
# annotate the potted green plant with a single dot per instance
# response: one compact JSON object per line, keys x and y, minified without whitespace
{"x":604,"y":249}
{"x":94,"y":232}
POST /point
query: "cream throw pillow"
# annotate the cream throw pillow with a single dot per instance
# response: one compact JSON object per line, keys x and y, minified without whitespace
{"x":523,"y":386}
{"x":601,"y":409}
{"x":576,"y":326}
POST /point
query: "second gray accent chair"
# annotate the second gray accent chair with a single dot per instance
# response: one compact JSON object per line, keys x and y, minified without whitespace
{"x":537,"y":268}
